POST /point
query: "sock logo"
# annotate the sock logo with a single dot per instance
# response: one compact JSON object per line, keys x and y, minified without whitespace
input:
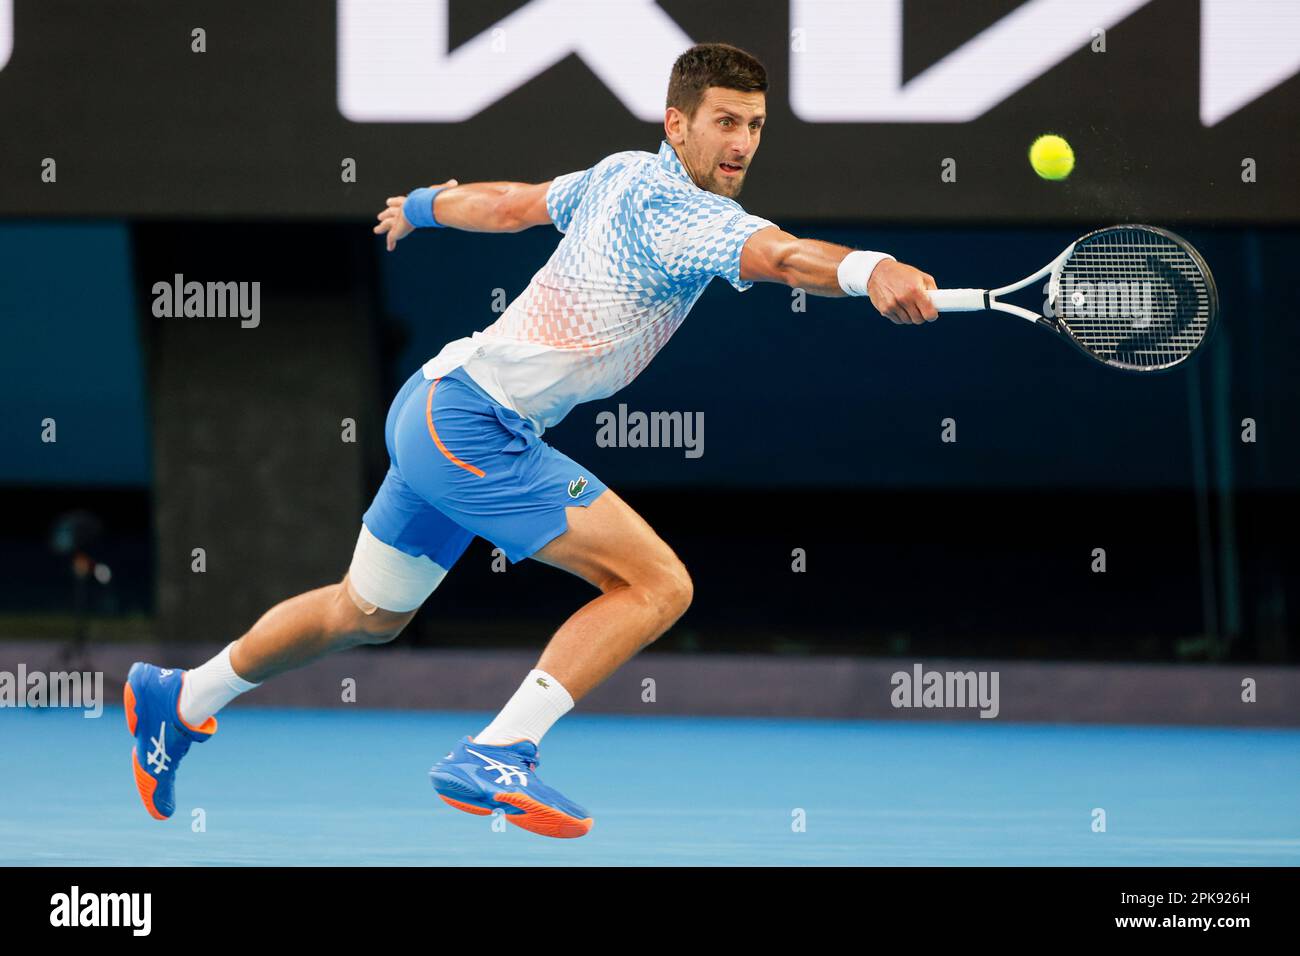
{"x":541,"y":682}
{"x":157,"y":758}
{"x":507,"y":771}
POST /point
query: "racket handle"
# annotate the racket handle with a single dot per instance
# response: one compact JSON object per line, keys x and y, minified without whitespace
{"x":959,"y":300}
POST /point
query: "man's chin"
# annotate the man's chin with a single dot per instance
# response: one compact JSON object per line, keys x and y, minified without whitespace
{"x":727,"y":187}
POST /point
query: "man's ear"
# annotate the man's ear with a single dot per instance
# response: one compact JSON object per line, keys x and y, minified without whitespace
{"x":674,"y":121}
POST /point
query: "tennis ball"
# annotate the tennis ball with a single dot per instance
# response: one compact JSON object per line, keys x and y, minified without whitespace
{"x":1051,"y":157}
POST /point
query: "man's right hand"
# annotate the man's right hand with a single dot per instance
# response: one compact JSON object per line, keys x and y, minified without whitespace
{"x":393,"y":223}
{"x":897,"y":290}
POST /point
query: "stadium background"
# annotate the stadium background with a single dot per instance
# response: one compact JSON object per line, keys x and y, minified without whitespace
{"x":821,"y":427}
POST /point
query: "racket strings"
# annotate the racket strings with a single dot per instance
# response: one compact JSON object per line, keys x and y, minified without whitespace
{"x":1134,"y":298}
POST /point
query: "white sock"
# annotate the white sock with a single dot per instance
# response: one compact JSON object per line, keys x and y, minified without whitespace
{"x":539,"y":702}
{"x":209,"y":687}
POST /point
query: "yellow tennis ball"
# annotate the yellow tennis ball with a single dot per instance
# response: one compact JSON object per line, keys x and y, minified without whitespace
{"x":1051,"y":157}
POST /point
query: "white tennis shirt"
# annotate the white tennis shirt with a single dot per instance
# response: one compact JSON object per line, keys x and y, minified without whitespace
{"x":641,"y":243}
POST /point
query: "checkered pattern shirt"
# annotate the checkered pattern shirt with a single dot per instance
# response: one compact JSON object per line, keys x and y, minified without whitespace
{"x":641,"y":241}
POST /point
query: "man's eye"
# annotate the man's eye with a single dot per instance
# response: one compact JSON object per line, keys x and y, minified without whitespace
{"x":726,"y":122}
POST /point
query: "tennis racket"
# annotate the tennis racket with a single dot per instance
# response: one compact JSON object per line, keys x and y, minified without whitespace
{"x":1134,"y":297}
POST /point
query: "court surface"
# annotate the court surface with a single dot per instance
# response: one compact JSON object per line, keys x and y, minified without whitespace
{"x":338,"y":787}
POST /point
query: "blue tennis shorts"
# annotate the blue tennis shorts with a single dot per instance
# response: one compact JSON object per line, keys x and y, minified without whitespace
{"x":462,"y":464}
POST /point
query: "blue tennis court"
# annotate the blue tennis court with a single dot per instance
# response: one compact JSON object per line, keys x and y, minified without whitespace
{"x":336,"y":787}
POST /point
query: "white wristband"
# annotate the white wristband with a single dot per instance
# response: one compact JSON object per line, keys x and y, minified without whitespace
{"x":856,"y":268}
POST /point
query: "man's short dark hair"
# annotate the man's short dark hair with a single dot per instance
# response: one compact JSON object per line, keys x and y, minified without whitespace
{"x":713,"y":64}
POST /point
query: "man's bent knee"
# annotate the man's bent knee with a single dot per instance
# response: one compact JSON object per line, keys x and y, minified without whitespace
{"x":383,"y":626}
{"x":357,"y":620}
{"x":669,"y":591}
{"x":678,"y":592}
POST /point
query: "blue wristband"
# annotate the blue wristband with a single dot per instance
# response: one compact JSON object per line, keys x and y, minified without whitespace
{"x":418,"y":208}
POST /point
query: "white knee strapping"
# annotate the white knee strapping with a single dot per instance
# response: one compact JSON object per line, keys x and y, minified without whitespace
{"x":391,"y":579}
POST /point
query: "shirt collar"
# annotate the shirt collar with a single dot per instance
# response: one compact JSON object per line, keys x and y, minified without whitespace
{"x":671,"y":164}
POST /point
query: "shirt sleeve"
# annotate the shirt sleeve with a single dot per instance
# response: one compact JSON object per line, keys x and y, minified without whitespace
{"x":703,"y":236}
{"x":563,"y":196}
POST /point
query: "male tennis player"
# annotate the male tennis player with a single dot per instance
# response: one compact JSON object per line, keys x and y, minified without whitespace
{"x":644,"y":234}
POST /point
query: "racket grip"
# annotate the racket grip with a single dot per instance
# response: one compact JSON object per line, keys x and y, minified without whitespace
{"x":959,"y":300}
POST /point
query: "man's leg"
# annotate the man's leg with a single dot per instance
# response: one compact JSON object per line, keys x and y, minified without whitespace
{"x":386,"y":583}
{"x":404,"y":549}
{"x":376,"y":599}
{"x":291,"y":634}
{"x":644,"y":589}
{"x":168,"y":709}
{"x":303,"y":628}
{"x":486,"y":468}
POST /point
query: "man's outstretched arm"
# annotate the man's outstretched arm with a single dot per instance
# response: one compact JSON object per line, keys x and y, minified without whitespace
{"x":824,"y":268}
{"x":474,"y":207}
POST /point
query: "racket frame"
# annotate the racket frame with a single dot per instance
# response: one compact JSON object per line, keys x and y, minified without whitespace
{"x":977,"y":300}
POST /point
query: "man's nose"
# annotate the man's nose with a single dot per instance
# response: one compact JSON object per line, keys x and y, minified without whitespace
{"x":741,"y":144}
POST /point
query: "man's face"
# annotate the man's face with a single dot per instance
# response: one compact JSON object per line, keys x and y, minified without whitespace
{"x":717,"y":145}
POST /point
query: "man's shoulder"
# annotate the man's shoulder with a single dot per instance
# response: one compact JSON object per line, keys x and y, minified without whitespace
{"x":623,"y":160}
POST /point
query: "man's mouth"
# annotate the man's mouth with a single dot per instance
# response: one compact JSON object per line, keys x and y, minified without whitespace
{"x":731,"y":169}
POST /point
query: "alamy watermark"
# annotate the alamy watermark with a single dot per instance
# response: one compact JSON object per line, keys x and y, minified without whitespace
{"x":82,"y":690}
{"x":75,"y":908}
{"x":922,"y":688}
{"x":1104,"y":299}
{"x":208,"y":300}
{"x":626,"y":429}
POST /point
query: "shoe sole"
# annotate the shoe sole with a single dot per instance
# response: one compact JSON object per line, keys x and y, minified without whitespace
{"x":538,"y":818}
{"x":533,"y":816}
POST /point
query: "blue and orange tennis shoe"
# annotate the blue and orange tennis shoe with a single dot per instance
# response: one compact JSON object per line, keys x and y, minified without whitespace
{"x":478,"y":779}
{"x":162,"y":737}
